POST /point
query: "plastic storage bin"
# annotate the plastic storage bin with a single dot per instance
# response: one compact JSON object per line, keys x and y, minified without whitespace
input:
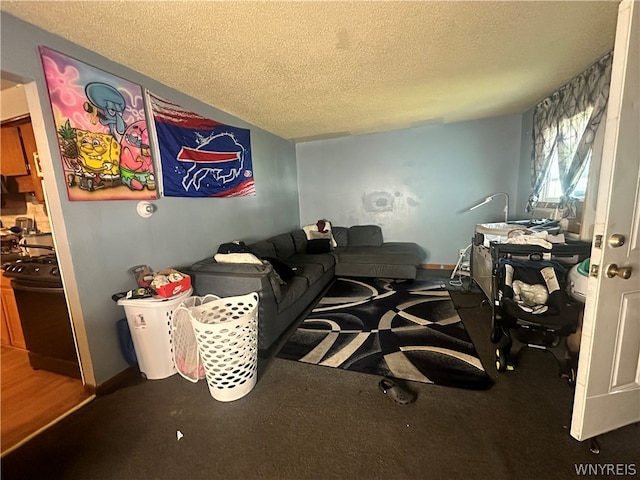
{"x":226,"y":331}
{"x":149,"y":321}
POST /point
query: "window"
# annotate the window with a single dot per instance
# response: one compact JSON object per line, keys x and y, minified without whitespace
{"x":570,"y":130}
{"x":564,"y":127}
{"x":553,"y":191}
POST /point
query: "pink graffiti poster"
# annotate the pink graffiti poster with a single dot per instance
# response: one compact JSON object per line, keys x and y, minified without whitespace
{"x":102,"y":131}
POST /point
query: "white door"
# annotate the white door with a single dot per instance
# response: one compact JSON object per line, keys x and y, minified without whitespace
{"x":607,"y":392}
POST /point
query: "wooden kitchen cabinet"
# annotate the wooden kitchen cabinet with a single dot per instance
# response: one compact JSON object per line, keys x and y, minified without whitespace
{"x":19,"y":156}
{"x":5,"y":339}
{"x":12,"y":162}
{"x":11,"y":326}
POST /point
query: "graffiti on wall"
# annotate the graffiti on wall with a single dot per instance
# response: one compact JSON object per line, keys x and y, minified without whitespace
{"x":102,"y":131}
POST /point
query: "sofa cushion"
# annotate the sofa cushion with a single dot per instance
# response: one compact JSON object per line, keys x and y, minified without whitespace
{"x":365,"y":236}
{"x":404,"y":248}
{"x":284,"y":271}
{"x":311,"y":271}
{"x":299,"y":241}
{"x":381,"y":255}
{"x":263,"y":249}
{"x":375,"y":270}
{"x":319,"y":245}
{"x":292,"y":291}
{"x":283,"y":244}
{"x":341,"y":236}
{"x":326,"y":260}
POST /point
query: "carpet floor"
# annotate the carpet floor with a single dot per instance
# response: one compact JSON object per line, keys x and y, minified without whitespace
{"x":306,"y":422}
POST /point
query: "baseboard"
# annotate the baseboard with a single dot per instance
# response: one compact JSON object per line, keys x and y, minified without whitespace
{"x":437,"y":266}
{"x":129,"y":376}
{"x":49,"y":363}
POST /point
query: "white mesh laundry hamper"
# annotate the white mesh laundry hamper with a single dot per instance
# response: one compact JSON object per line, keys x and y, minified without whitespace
{"x":149,"y":321}
{"x":227,"y":334}
{"x":185,"y":346}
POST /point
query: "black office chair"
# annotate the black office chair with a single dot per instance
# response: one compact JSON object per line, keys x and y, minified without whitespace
{"x":532,"y":309}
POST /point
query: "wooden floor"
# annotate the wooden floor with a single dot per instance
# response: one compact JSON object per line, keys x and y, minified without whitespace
{"x":32,"y":399}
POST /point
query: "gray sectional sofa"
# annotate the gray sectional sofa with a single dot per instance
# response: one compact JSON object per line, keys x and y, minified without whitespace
{"x":360,"y":252}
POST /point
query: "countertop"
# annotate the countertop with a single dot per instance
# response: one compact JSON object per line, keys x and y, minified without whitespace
{"x":10,"y":257}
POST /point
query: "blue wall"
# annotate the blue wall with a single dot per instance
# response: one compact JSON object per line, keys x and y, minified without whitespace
{"x":526,"y":155}
{"x":416,"y":183}
{"x":107,"y":238}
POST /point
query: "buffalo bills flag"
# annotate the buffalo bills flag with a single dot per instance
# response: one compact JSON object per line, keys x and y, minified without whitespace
{"x":200,"y":157}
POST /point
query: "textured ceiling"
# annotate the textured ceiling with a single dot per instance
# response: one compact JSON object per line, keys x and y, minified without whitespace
{"x":307,"y":70}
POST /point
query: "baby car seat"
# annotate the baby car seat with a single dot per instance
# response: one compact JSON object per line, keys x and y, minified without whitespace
{"x":533,"y":310}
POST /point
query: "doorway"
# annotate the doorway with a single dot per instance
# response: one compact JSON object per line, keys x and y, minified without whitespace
{"x":31,"y":399}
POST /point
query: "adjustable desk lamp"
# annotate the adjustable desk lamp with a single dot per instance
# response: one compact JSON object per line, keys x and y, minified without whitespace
{"x":491,"y":197}
{"x":485,"y":201}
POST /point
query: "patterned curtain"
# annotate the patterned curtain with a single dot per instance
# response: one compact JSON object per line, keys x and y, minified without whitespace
{"x":565,"y":124}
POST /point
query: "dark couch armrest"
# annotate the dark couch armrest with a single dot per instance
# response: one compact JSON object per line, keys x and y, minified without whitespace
{"x":230,"y":279}
{"x":233,"y":279}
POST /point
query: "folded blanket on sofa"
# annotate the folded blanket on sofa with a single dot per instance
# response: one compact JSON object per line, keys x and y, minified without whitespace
{"x":320,"y":230}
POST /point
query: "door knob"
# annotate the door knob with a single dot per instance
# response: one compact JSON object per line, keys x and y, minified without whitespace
{"x":622,"y":272}
{"x":616,"y":240}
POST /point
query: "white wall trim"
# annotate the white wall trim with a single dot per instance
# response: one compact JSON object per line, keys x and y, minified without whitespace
{"x":59,"y":231}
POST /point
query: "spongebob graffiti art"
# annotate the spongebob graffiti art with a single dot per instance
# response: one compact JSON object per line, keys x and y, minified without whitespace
{"x":98,"y":160}
{"x":102,"y":131}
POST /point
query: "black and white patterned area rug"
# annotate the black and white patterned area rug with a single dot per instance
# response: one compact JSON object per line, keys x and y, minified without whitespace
{"x":409,"y":331}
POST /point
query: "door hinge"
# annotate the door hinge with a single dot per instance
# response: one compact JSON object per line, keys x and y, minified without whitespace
{"x":597,"y":242}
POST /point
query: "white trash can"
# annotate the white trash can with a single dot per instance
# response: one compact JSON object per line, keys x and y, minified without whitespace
{"x":226,"y":331}
{"x":149,"y":321}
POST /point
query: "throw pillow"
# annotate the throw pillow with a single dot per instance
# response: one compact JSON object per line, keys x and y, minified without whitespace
{"x":319,"y":245}
{"x":322,"y":229}
{"x":281,"y":268}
